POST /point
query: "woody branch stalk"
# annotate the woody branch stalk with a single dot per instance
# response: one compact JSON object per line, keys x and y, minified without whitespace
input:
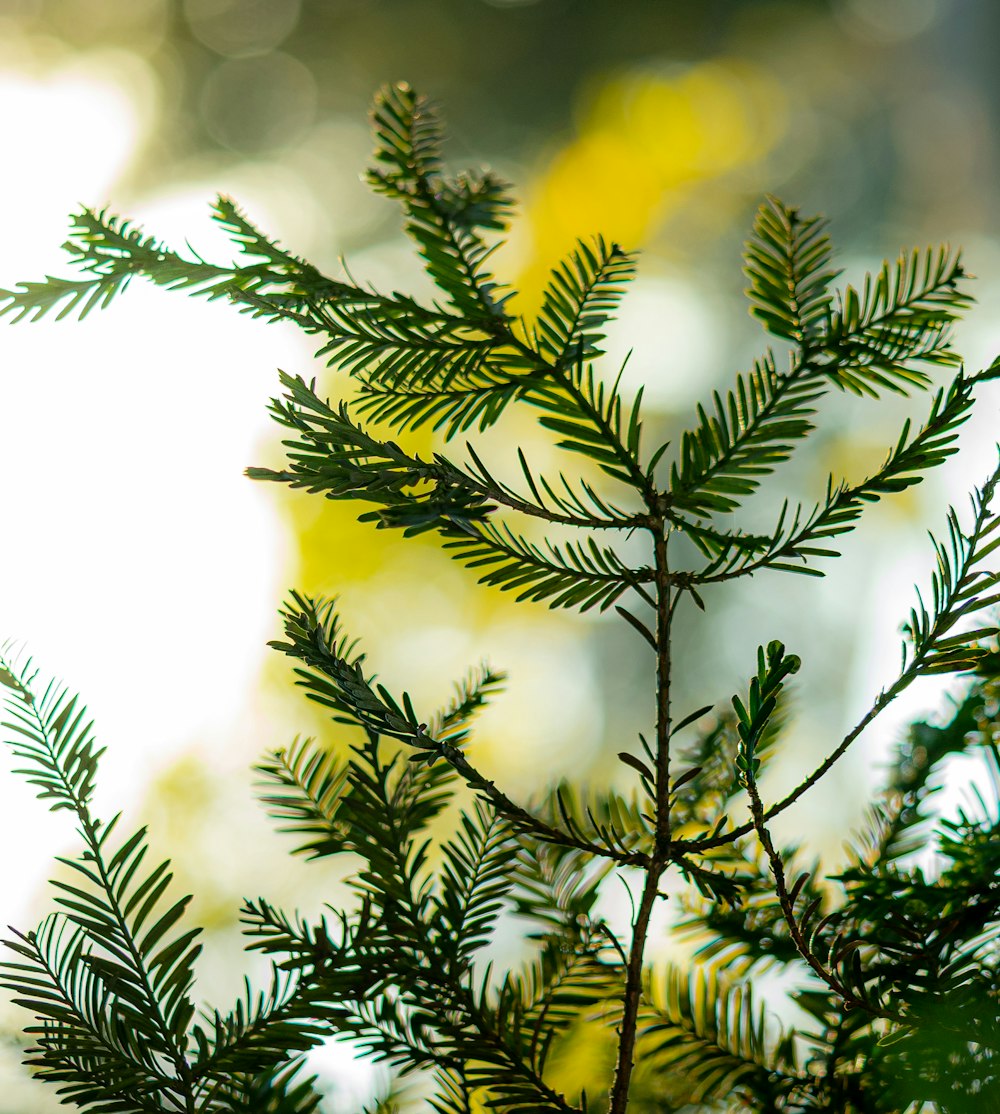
{"x":658,"y":860}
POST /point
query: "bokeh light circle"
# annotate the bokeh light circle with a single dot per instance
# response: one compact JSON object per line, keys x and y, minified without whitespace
{"x":255,"y":104}
{"x":242,"y":28}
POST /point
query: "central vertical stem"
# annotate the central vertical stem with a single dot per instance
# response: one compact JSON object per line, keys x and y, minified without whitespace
{"x":632,"y":997}
{"x":664,"y":613}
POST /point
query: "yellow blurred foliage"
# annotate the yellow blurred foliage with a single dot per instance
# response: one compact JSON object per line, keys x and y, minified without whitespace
{"x":647,"y":142}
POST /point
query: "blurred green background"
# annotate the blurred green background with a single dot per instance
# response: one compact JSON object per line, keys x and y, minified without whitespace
{"x":145,"y":571}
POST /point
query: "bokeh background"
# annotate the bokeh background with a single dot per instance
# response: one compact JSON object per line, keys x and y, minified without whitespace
{"x":138,"y":564}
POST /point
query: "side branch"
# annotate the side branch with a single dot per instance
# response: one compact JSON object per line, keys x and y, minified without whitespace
{"x":906,"y":464}
{"x":884,"y":700}
{"x":787,"y":902}
{"x":519,"y":817}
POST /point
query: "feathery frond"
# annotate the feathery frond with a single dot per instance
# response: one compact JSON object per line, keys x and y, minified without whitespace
{"x":453,"y":722}
{"x":474,"y":883}
{"x":283,"y":1091}
{"x":110,"y":251}
{"x":709,"y":1039}
{"x":307,"y":783}
{"x":262,"y":1028}
{"x":444,"y":216}
{"x":900,"y":317}
{"x":569,"y":575}
{"x":110,"y":974}
{"x":788,"y":264}
{"x":961,"y":587}
{"x":52,"y":734}
{"x":748,"y":434}
{"x":335,"y":456}
{"x":792,"y":548}
{"x":579,"y":299}
{"x":591,"y":419}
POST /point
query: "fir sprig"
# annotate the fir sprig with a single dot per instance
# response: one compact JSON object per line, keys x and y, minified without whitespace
{"x":787,"y":261}
{"x":793,"y":547}
{"x":900,"y":958}
{"x":750,"y":432}
{"x":708,"y":1041}
{"x":110,"y":969}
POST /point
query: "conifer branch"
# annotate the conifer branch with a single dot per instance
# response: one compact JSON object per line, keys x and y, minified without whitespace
{"x":787,"y":902}
{"x":747,"y":436}
{"x":790,"y":548}
{"x":403,"y":971}
{"x":569,"y":575}
{"x":589,"y":419}
{"x":443,"y":216}
{"x":707,"y":1040}
{"x":903,"y":314}
{"x":124,"y":956}
{"x":571,"y":509}
{"x":960,"y":589}
{"x":582,"y":293}
{"x":787,"y":261}
{"x":335,"y":456}
{"x":332,"y":676}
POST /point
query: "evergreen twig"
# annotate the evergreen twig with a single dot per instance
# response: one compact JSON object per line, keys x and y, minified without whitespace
{"x":404,"y":970}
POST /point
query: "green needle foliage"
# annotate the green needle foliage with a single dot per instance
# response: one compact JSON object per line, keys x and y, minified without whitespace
{"x":893,"y":963}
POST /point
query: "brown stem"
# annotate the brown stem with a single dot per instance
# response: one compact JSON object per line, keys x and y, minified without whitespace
{"x":664,"y":614}
{"x":785,"y":899}
{"x":850,"y":1000}
{"x":657,"y":862}
{"x":882,"y":702}
{"x":520,"y":817}
{"x":963,"y":579}
{"x":633,"y":991}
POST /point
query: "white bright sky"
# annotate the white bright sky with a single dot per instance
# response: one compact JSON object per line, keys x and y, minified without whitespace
{"x":138,"y":564}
